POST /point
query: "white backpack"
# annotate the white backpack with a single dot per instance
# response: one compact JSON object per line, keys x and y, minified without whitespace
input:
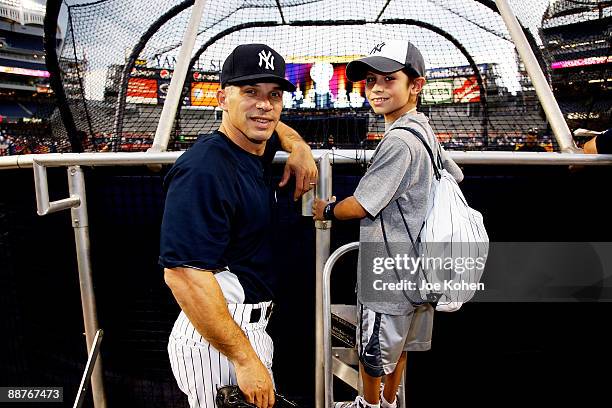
{"x":452,"y":232}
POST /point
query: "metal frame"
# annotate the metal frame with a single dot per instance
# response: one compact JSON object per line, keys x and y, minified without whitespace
{"x":166,"y":119}
{"x":326,"y":374}
{"x":322,"y":247}
{"x":336,"y":156}
{"x":338,"y":360}
{"x":543,"y":90}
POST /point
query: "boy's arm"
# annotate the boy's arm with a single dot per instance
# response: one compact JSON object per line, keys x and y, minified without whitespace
{"x":300,"y":162}
{"x":347,"y":209}
{"x":386,"y":176}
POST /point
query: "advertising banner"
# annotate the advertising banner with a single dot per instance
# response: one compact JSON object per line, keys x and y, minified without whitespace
{"x":440,"y":91}
{"x":142,"y":90}
{"x":466,"y":90}
{"x":204,"y":93}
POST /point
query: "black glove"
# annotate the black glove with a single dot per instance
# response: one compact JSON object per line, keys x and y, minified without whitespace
{"x":230,"y":396}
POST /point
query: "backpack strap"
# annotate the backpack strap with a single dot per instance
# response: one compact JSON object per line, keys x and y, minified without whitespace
{"x":419,"y":124}
{"x":388,"y":249}
{"x":432,"y":297}
{"x":429,"y":152}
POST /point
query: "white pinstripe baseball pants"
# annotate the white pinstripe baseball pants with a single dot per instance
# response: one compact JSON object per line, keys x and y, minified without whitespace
{"x":200,"y":369}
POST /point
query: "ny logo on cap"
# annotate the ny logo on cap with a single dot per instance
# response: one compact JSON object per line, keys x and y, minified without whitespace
{"x":268,"y":59}
{"x":377,"y":48}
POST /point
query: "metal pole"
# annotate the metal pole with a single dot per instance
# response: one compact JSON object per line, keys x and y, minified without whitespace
{"x":322,"y":228}
{"x":545,"y":95}
{"x":162,"y":134}
{"x":326,"y":345}
{"x":402,"y":395}
{"x":80,"y":224}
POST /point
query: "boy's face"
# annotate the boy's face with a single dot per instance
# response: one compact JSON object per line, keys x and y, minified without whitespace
{"x":389,"y":94}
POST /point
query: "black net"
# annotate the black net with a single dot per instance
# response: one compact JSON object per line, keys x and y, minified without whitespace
{"x":118,"y":58}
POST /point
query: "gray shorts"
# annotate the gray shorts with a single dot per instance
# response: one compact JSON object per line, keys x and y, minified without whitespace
{"x":383,"y":337}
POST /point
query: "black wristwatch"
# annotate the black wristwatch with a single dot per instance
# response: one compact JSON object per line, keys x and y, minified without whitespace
{"x":328,"y":212}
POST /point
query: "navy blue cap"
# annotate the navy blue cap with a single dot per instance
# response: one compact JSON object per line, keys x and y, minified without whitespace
{"x":253,"y":63}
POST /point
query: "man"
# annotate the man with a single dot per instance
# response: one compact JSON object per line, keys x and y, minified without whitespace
{"x":215,"y":237}
{"x":531,"y":142}
{"x":600,"y":144}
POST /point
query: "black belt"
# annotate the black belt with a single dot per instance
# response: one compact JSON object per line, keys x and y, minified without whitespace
{"x":256,"y":313}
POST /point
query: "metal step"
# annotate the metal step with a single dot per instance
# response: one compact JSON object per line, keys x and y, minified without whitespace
{"x":345,"y":373}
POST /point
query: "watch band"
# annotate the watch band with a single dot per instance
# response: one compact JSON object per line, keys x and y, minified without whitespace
{"x":328,"y":212}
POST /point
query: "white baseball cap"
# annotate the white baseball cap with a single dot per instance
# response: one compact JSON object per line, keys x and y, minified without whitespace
{"x":386,"y":57}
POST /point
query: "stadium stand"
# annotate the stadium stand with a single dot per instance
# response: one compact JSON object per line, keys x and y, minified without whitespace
{"x":25,"y":96}
{"x":578,"y":37}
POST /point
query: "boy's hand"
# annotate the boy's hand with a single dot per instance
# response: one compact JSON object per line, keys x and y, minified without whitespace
{"x":318,"y":206}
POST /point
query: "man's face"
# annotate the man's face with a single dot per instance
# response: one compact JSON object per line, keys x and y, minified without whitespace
{"x":531,"y":138}
{"x":254,"y":109}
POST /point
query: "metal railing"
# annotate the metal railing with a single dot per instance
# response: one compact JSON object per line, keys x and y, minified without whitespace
{"x":336,"y":156}
{"x":326,"y":328}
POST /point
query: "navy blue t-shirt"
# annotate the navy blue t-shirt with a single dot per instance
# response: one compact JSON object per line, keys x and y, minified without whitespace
{"x":218,"y":213}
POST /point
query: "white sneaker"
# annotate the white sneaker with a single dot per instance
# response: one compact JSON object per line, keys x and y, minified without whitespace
{"x":448,"y":306}
{"x":382,"y":387}
{"x":358,"y":403}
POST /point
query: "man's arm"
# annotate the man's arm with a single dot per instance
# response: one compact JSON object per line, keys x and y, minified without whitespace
{"x":300,"y":161}
{"x":590,"y":147}
{"x":199,"y":295}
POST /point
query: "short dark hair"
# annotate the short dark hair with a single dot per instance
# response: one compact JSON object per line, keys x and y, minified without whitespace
{"x":411,"y":74}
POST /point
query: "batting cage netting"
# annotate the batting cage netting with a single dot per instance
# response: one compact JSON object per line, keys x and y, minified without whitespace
{"x":117,"y":58}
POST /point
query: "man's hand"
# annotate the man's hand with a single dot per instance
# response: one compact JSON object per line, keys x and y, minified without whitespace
{"x":302,"y":165}
{"x":255,"y":383}
{"x":318,"y":206}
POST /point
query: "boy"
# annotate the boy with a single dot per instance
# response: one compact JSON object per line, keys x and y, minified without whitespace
{"x":400,"y":171}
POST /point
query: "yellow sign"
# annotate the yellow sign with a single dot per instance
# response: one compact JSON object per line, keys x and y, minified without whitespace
{"x":204,"y":93}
